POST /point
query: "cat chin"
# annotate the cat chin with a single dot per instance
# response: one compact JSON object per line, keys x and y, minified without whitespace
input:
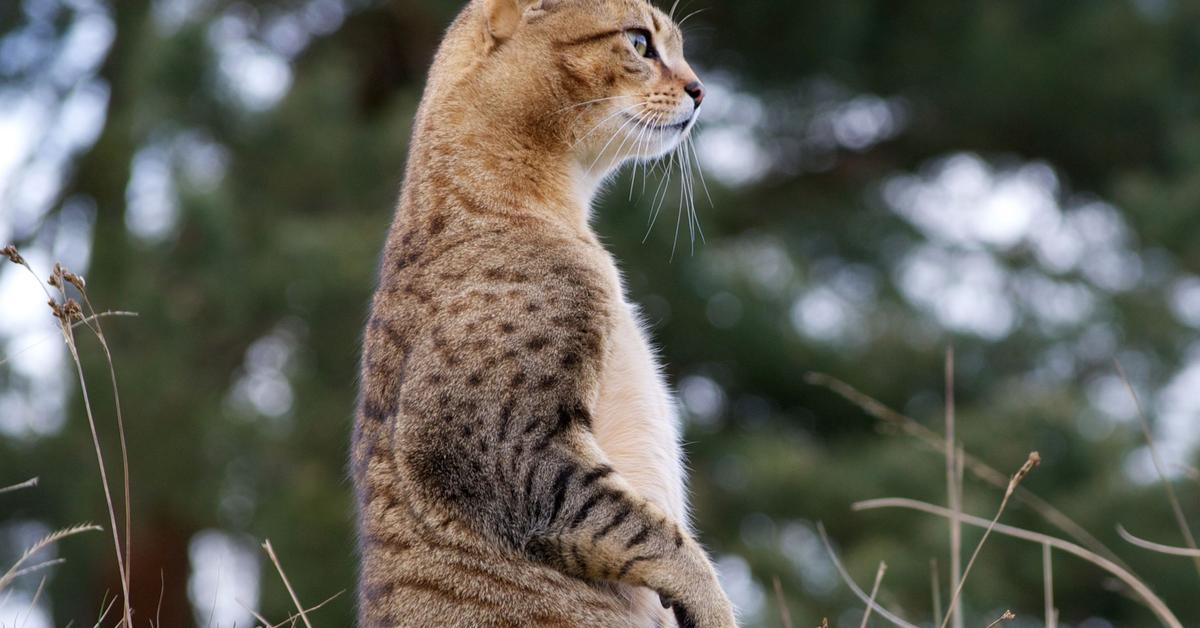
{"x":670,"y":141}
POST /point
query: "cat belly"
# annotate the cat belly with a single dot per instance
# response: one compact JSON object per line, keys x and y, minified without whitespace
{"x":636,"y":422}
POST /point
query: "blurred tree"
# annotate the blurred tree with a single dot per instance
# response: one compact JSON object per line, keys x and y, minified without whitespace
{"x":1018,"y":179}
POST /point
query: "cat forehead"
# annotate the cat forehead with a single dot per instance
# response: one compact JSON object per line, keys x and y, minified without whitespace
{"x":641,"y":15}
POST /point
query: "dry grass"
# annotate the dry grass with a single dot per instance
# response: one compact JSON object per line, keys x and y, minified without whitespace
{"x":1033,"y":461}
{"x":785,"y":616}
{"x":935,"y":443}
{"x":1086,"y":547}
{"x":70,"y":315}
{"x":1048,"y":587}
{"x":1159,"y":467}
{"x":874,"y":592}
{"x":953,"y":493}
{"x":1007,"y":616}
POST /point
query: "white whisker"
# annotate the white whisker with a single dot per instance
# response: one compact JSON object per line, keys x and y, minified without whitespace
{"x":601,"y":123}
{"x":588,"y":102}
{"x":656,"y":204}
{"x":700,"y":170}
{"x":690,"y":15}
{"x":619,"y":131}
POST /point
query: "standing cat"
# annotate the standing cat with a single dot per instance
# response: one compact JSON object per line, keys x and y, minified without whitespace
{"x":516,"y":452}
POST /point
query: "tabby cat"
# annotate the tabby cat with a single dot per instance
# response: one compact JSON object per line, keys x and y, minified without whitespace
{"x":516,"y":453}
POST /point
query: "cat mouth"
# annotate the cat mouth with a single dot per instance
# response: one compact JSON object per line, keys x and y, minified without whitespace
{"x":677,"y":127}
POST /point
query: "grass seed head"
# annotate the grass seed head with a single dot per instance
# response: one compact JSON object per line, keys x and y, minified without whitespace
{"x":13,"y":256}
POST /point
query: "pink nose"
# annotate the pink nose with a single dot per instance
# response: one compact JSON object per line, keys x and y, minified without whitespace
{"x":695,"y":89}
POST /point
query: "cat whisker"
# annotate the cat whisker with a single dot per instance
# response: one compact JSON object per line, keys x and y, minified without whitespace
{"x":690,"y":15}
{"x":588,"y":102}
{"x":656,"y":203}
{"x":700,"y":170}
{"x":606,"y":119}
{"x":632,"y":120}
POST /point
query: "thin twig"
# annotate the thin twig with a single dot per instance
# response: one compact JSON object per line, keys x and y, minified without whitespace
{"x":981,"y":470}
{"x":784,"y":614}
{"x":67,"y":313}
{"x":105,"y":609}
{"x":38,"y":567}
{"x":30,"y":483}
{"x":42,"y":543}
{"x":288,"y":585}
{"x":1007,"y":616}
{"x":162,"y":588}
{"x":1152,"y":601}
{"x":874,"y":592}
{"x":98,"y":330}
{"x":953,"y":492}
{"x":1031,"y":462}
{"x":1176,"y":509}
{"x":935,"y":585}
{"x":294,"y":616}
{"x":37,"y":595}
{"x":1048,"y":585}
{"x":262,"y":620}
{"x":1156,"y":547}
{"x":854,"y":588}
{"x":112,"y":515}
{"x":34,"y":345}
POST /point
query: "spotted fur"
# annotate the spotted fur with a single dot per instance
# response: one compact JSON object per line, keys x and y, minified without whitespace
{"x":515,"y":453}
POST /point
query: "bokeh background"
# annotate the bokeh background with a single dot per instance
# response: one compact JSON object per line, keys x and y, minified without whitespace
{"x":1017,"y":178}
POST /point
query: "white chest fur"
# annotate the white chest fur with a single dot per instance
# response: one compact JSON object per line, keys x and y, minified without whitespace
{"x":636,"y":422}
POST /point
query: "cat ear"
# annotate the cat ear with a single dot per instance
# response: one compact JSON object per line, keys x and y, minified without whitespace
{"x":504,"y":16}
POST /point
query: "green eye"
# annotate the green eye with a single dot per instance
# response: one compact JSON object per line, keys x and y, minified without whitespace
{"x":641,"y":43}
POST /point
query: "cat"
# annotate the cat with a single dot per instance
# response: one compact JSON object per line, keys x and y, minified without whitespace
{"x":516,"y":451}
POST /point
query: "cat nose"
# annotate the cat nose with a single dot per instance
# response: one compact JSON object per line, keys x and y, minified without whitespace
{"x":695,"y":89}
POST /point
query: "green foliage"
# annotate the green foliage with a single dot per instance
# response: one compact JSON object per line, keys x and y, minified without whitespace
{"x":281,"y":243}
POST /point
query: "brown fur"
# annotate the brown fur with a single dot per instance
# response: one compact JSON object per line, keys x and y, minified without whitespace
{"x":484,"y":497}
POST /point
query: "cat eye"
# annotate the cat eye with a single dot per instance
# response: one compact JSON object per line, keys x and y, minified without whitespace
{"x":641,"y":43}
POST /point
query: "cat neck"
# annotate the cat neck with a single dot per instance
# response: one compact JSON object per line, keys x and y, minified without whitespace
{"x":510,"y":171}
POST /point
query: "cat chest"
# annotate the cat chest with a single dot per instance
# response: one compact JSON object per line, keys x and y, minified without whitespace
{"x":635,"y":421}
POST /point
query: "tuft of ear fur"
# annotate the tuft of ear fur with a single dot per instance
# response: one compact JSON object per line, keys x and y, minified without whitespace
{"x":504,"y":16}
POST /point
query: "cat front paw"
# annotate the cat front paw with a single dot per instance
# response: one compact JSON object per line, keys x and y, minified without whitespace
{"x":715,"y":612}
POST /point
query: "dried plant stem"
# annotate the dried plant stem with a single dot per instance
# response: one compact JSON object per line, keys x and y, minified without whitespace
{"x":288,"y":585}
{"x":1031,"y":462}
{"x":105,"y":608}
{"x":874,"y":592}
{"x":1156,"y":547}
{"x":37,"y":595}
{"x":291,"y":619}
{"x":953,"y":492}
{"x":68,"y":313}
{"x":77,"y":323}
{"x":784,"y":614}
{"x":1152,"y":601}
{"x":1176,"y":509}
{"x":1048,"y":585}
{"x":94,"y":325}
{"x":38,"y":567}
{"x":854,"y":588}
{"x":981,"y":470}
{"x":112,"y":515}
{"x":41,"y":544}
{"x":935,"y":585}
{"x":30,"y":483}
{"x":1007,"y":616}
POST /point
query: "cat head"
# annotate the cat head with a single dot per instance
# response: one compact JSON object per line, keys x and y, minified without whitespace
{"x":604,"y":80}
